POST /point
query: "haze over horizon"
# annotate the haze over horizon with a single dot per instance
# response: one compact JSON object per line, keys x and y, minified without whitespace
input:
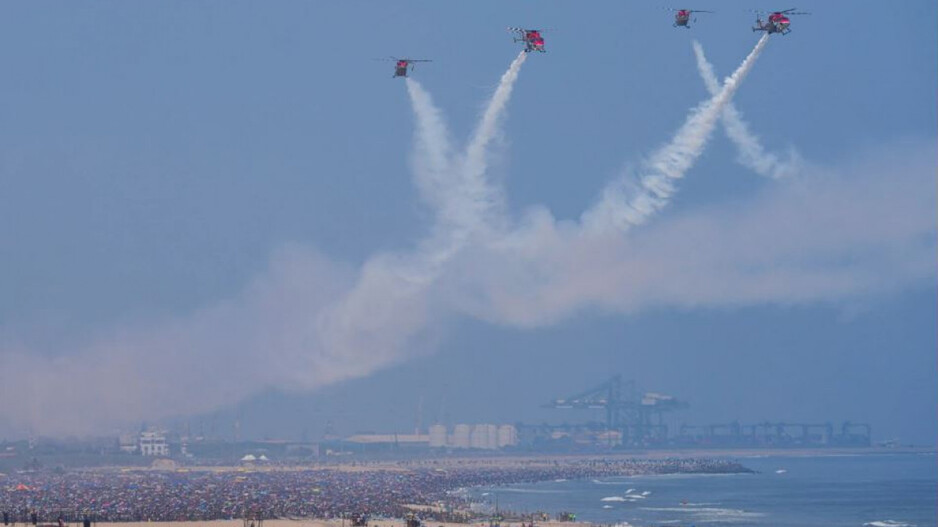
{"x":213,"y":212}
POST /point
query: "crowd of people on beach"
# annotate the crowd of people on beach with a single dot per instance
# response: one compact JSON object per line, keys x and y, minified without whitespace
{"x":191,"y":495}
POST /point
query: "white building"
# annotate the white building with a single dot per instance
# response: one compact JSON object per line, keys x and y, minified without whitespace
{"x":153,"y":444}
{"x":437,"y":436}
{"x":484,"y":436}
{"x":492,"y":433}
{"x":507,"y":436}
{"x":461,"y":436}
{"x":481,"y":436}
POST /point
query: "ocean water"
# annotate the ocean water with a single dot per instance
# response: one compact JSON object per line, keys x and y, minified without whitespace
{"x":894,"y":490}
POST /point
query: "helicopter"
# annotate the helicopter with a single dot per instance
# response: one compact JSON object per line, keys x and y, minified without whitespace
{"x":533,"y":41}
{"x":682,"y":16}
{"x":777,"y":22}
{"x":402,"y":65}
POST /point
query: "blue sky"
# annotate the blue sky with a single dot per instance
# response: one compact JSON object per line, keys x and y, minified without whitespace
{"x":162,"y":165}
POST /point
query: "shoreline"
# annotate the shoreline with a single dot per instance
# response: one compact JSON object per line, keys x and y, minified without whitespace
{"x":452,"y":458}
{"x":516,"y":461}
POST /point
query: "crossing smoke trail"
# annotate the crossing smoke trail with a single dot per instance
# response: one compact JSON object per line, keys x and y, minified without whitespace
{"x":751,"y":152}
{"x":464,"y":200}
{"x":388,"y":309}
{"x":625,"y":203}
{"x":389,"y":306}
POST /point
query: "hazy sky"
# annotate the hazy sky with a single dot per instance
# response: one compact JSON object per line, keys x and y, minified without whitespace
{"x":221,"y":208}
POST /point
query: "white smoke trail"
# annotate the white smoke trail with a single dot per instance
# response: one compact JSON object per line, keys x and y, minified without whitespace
{"x":487,"y":199}
{"x":789,"y":242}
{"x":436,"y":180}
{"x":388,"y":306}
{"x":751,"y":152}
{"x":626,"y":203}
{"x":464,"y":199}
{"x":487,"y":126}
{"x":432,"y":160}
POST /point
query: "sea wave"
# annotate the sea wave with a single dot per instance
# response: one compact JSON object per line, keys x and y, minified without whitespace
{"x":601,"y":482}
{"x":522,"y":490}
{"x":888,"y":523}
{"x":613,"y":498}
{"x":712,"y":514}
{"x":689,"y":475}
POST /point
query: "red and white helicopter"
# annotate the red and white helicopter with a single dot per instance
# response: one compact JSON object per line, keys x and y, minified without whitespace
{"x":533,"y":41}
{"x":682,"y":16}
{"x":777,"y":22}
{"x":402,"y":65}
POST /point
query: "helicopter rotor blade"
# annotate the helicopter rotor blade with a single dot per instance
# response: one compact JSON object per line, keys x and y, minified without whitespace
{"x":525,"y":30}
